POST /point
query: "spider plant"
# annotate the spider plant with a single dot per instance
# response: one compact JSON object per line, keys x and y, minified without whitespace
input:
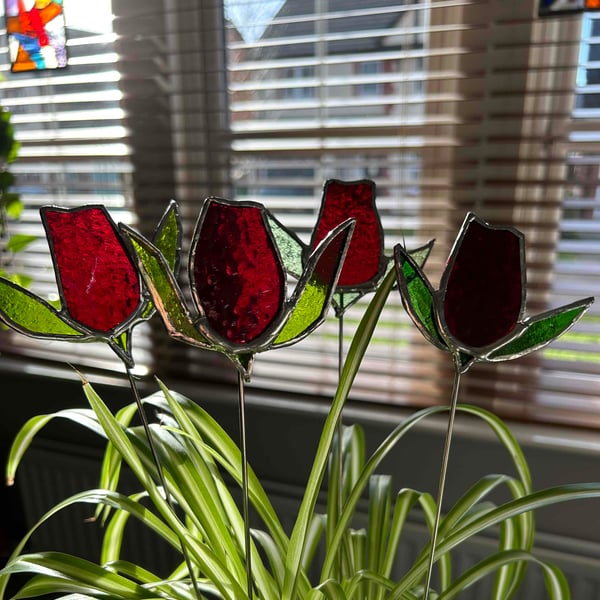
{"x":332,"y":554}
{"x":11,"y":205}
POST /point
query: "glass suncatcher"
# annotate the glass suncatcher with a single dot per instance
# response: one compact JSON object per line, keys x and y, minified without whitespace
{"x":478,"y":313}
{"x":36,"y":34}
{"x":364,"y":268}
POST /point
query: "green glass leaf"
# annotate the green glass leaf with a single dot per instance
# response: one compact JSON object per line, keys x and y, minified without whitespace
{"x":289,"y":246}
{"x":168,"y":236}
{"x":164,"y":290}
{"x":19,"y":242}
{"x":421,"y":254}
{"x":313,"y":294}
{"x":542,"y":329}
{"x":308,"y":309}
{"x":167,"y":239}
{"x":342,"y":301}
{"x":243,"y":363}
{"x":417,"y":296}
{"x":121,"y":346}
{"x":31,"y":315}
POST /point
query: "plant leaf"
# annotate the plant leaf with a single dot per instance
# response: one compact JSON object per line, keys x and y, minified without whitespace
{"x":513,"y":508}
{"x":110,"y":470}
{"x":212,"y":566}
{"x":557,"y":585}
{"x":380,"y":494}
{"x":351,"y":365}
{"x":225,"y":450}
{"x":32,"y":427}
{"x":19,"y":241}
{"x":14,"y":205}
{"x":77,"y":570}
{"x":405,"y":500}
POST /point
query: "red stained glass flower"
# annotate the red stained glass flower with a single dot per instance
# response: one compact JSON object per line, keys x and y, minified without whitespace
{"x":239,"y":282}
{"x":478,"y":311}
{"x":97,"y":280}
{"x":365,"y":262}
{"x":237,"y":277}
{"x":101,"y":298}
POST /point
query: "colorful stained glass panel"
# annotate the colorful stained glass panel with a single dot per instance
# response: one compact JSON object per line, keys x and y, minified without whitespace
{"x":36,"y":34}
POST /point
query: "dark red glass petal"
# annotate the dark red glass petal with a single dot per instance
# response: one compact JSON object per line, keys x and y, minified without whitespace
{"x":238,"y":279}
{"x":484,"y":291}
{"x":344,"y":200}
{"x":98,"y":283}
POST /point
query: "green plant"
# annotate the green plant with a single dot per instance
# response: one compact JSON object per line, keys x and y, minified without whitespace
{"x":198,"y":460}
{"x":11,"y":206}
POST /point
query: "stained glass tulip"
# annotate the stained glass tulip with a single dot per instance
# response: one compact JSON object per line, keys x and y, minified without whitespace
{"x":238,"y":281}
{"x":478,"y":311}
{"x":100,"y":291}
{"x":97,"y":280}
{"x":364,"y":261}
{"x":237,"y":278}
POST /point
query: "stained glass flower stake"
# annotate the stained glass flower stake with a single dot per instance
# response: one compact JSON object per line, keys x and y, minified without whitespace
{"x":363,"y":270}
{"x":101,"y":298}
{"x":237,"y":272}
{"x":477,"y":314}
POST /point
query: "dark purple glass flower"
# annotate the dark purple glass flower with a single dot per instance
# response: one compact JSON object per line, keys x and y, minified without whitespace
{"x":483,"y":287}
{"x":478,"y":311}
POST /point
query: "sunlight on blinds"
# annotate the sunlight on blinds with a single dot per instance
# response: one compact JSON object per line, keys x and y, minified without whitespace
{"x":74,"y":150}
{"x":449,"y":106}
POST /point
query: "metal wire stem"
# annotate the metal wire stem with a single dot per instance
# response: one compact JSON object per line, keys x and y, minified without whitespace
{"x":245,"y":507}
{"x":443,"y":471}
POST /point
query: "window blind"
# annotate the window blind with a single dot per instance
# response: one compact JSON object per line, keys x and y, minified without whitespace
{"x":74,"y":150}
{"x":448,"y":105}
